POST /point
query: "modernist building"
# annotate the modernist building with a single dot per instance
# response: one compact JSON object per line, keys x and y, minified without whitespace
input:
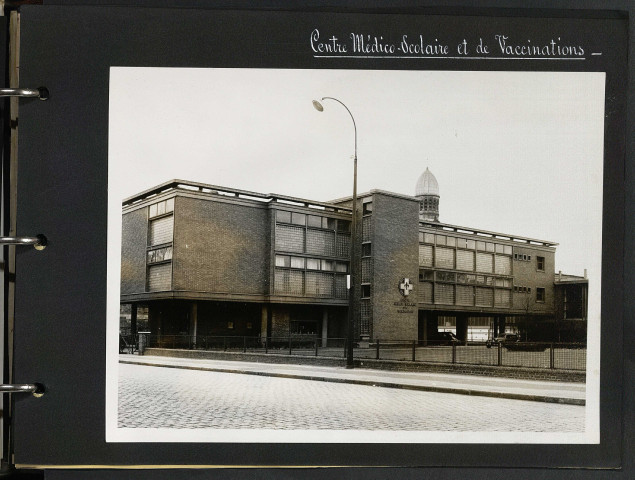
{"x":206,"y":260}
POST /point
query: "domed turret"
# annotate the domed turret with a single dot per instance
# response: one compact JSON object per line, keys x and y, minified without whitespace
{"x":427,"y":192}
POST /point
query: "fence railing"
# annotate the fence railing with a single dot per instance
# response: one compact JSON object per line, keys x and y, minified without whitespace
{"x":562,"y":356}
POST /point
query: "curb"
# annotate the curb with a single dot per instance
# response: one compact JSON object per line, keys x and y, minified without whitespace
{"x":422,"y":388}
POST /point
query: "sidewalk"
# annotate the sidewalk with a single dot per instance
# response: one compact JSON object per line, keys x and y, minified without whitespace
{"x":551,"y":392}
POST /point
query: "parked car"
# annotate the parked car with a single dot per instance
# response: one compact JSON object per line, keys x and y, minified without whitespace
{"x":443,"y":338}
{"x":505,"y":340}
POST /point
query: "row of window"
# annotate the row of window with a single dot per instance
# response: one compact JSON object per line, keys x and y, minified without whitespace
{"x":308,"y":283}
{"x":289,"y":261}
{"x":466,"y":278}
{"x":161,"y":208}
{"x":289,"y":238}
{"x":466,"y":260}
{"x":315,"y":221}
{"x":464,"y":295}
{"x":466,"y":243}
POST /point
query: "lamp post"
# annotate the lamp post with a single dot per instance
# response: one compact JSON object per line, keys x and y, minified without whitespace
{"x":352,"y":294}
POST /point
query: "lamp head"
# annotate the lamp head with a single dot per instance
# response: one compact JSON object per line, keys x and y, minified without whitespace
{"x":318,"y":106}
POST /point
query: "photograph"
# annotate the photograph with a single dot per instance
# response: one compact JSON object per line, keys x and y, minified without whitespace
{"x":367,"y":256}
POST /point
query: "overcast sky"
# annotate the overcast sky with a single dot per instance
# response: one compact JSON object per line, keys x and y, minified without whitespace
{"x":515,"y":152}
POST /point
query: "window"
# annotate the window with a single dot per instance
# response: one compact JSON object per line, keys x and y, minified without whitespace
{"x":341,"y":267}
{"x":444,"y":257}
{"x":367,"y":208}
{"x":283,"y":217}
{"x":343,"y":226}
{"x":328,"y":223}
{"x":282,"y":261}
{"x":366,"y":249}
{"x":160,"y":255}
{"x":327,"y":265}
{"x":312,"y":264}
{"x":426,"y":275}
{"x":314,"y":221}
{"x":161,"y":208}
{"x":289,"y":238}
{"x":161,"y":230}
{"x":540,"y":264}
{"x":298,"y":218}
{"x":365,"y":291}
{"x":297,"y":262}
{"x":540,"y":294}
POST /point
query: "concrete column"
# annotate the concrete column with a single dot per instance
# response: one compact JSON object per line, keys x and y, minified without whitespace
{"x":461,"y":327}
{"x":193,"y":321}
{"x":425,"y":329}
{"x":264,"y":320}
{"x":325,"y":325}
{"x":495,"y":331}
{"x":133,"y":319}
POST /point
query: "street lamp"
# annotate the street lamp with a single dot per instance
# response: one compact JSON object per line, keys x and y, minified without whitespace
{"x":353,"y":262}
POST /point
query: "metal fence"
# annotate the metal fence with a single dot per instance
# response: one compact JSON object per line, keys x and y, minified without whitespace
{"x":561,"y":356}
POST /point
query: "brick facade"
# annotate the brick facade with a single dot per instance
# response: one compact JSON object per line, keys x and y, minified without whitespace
{"x":394,"y":257}
{"x":229,"y":262}
{"x":133,"y":251}
{"x":221,"y":247}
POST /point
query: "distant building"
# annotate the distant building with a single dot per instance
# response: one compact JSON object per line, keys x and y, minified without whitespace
{"x":209,"y":260}
{"x":571,"y":303}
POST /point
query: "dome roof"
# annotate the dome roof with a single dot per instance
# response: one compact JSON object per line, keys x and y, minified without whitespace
{"x":427,"y":184}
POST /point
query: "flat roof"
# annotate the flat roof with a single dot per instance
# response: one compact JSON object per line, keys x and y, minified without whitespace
{"x":446,"y":227}
{"x":334,"y":205}
{"x":208,"y":189}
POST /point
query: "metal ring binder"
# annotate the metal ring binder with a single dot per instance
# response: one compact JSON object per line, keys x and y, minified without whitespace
{"x":35,"y":388}
{"x":42,"y":92}
{"x":39,"y":242}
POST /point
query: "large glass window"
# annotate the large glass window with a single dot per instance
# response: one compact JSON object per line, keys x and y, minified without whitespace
{"x":465,"y":260}
{"x":289,"y":238}
{"x":484,"y":262}
{"x":503,"y":265}
{"x":160,"y":277}
{"x":161,"y":230}
{"x":320,"y":242}
{"x":444,"y":257}
{"x":425,"y":255}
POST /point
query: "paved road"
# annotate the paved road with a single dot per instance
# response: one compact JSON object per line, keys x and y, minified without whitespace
{"x":177,"y":398}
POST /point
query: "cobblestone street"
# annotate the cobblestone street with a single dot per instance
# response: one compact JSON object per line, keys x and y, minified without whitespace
{"x":156,"y":397}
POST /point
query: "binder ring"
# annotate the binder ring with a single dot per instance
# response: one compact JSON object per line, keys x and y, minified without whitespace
{"x":36,"y":389}
{"x":39,"y":242}
{"x":42,"y":92}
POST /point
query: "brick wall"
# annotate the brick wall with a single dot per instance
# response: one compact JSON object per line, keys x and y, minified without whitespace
{"x":395,"y":254}
{"x":526,"y":274}
{"x":220,"y":247}
{"x":133,"y":251}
